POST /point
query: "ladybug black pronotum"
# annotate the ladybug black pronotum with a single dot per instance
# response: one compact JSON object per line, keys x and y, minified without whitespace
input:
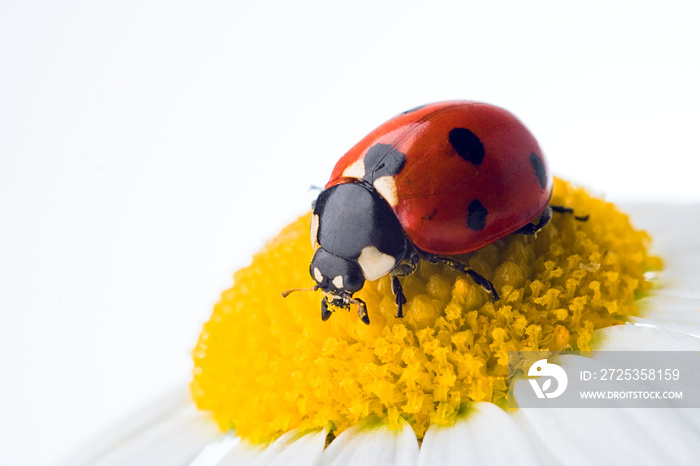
{"x":436,"y":181}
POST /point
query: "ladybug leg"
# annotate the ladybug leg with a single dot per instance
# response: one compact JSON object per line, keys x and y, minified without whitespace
{"x":361,"y":310}
{"x":403,"y":270}
{"x":532,"y":227}
{"x":407,"y":268}
{"x":568,"y":210}
{"x":325,"y":312}
{"x":459,"y":267}
{"x":484,"y":283}
{"x":398,"y":293}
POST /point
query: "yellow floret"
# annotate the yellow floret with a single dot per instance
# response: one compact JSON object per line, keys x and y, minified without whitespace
{"x":265,"y":365}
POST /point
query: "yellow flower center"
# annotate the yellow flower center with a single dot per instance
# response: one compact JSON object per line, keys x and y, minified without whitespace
{"x":265,"y":365}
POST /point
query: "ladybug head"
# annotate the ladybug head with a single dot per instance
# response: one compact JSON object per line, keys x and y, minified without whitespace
{"x":335,"y":275}
{"x":339,"y":279}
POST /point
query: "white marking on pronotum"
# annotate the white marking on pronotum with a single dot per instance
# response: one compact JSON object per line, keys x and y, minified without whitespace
{"x":356,"y":170}
{"x":318,"y":275}
{"x":375,"y":264}
{"x":338,"y":282}
{"x":386,"y":186}
{"x":314,"y":231}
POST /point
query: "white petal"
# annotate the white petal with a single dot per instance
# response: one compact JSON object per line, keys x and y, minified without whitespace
{"x":244,"y":453}
{"x":611,"y":435}
{"x":371,"y":443}
{"x":486,"y":435}
{"x":669,"y":312}
{"x":675,"y":231}
{"x":212,"y":454}
{"x":615,"y":436}
{"x":643,"y":338}
{"x":171,"y":432}
{"x":675,"y":304}
{"x":294,"y":448}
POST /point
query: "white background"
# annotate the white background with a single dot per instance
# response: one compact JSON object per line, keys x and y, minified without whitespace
{"x":148,"y":148}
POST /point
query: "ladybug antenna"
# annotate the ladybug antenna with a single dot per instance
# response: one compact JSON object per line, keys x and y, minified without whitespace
{"x":288,"y":292}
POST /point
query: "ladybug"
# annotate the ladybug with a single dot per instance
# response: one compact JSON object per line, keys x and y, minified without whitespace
{"x":435,"y":181}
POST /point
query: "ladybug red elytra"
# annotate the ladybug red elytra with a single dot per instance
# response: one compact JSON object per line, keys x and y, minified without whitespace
{"x":438,"y":180}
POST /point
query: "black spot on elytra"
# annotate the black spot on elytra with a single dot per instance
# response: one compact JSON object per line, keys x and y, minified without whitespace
{"x":467,"y":145}
{"x":476,"y":215}
{"x":538,"y":167}
{"x":411,"y":110}
{"x":383,"y":160}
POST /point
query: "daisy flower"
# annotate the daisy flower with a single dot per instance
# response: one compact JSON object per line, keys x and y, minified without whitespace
{"x":276,"y":385}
